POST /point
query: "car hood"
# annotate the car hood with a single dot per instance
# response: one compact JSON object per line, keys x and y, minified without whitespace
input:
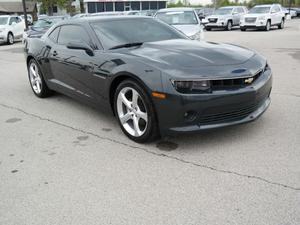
{"x":255,"y":14}
{"x":191,"y":54}
{"x":188,"y":30}
{"x":218,"y":16}
{"x":3,"y":26}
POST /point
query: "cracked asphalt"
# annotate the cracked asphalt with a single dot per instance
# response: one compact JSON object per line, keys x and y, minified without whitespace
{"x":62,"y":162}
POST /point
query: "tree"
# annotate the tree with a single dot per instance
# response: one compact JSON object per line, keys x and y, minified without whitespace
{"x":47,"y":5}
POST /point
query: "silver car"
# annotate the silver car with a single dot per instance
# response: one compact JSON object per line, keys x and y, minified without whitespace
{"x":183,"y":19}
{"x":225,"y":17}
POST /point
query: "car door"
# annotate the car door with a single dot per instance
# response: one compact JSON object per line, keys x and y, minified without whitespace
{"x":20,"y":26}
{"x":236,"y":16}
{"x":274,"y":15}
{"x":74,"y":69}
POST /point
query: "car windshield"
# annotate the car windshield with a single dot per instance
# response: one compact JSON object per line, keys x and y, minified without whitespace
{"x":223,"y":11}
{"x":3,"y":20}
{"x":260,"y":10}
{"x":178,"y":18}
{"x":42,"y":23}
{"x":124,"y":31}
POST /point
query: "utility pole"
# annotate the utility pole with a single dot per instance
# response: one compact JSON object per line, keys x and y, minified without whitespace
{"x":25,"y":14}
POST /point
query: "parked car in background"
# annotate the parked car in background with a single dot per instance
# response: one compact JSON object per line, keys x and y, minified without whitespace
{"x":106,"y":14}
{"x":297,"y":11}
{"x":204,"y":12}
{"x":184,"y":19}
{"x":225,"y":17}
{"x":11,"y":28}
{"x":40,"y":27}
{"x":29,"y":19}
{"x":80,"y":15}
{"x":264,"y":17}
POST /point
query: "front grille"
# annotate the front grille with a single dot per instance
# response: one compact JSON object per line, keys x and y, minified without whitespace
{"x":213,"y":20}
{"x":250,"y":20}
{"x":226,"y":84}
{"x":228,"y":116}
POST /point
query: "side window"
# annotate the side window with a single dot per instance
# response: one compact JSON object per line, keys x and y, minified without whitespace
{"x":12,"y":19}
{"x":19,"y":19}
{"x":69,"y":33}
{"x":54,"y":34}
{"x":240,"y":10}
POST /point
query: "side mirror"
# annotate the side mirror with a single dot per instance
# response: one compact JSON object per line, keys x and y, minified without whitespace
{"x":81,"y":46}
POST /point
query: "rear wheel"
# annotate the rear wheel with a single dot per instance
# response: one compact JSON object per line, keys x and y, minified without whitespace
{"x":135,"y":112}
{"x":10,"y":38}
{"x":229,"y":25}
{"x":37,"y":82}
{"x":281,"y":25}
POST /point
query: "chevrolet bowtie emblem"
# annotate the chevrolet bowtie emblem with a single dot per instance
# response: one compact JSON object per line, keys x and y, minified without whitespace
{"x":249,"y":80}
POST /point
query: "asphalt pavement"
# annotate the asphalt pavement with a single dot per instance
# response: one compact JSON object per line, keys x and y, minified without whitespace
{"x":62,"y":162}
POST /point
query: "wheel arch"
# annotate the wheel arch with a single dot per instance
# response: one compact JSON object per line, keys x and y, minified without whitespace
{"x":120,"y":78}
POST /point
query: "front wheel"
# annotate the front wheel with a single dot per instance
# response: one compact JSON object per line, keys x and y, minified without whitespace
{"x":10,"y":38}
{"x":268,"y":26}
{"x":243,"y":29}
{"x":229,"y":25}
{"x":135,"y":112}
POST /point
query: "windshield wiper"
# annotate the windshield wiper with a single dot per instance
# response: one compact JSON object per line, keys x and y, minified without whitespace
{"x":128,"y":45}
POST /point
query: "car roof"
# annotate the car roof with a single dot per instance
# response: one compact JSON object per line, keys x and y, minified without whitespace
{"x":230,"y":7}
{"x":265,"y":5}
{"x":99,"y":18}
{"x":175,"y":9}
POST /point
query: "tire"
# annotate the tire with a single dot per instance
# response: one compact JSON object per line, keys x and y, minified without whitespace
{"x":208,"y":28}
{"x":229,"y":25}
{"x":136,"y":118}
{"x":268,"y":25}
{"x":10,"y":38}
{"x":281,"y":25}
{"x":36,"y":80}
{"x":243,"y":29}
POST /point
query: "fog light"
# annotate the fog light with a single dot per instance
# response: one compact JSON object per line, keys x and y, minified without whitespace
{"x":190,"y":115}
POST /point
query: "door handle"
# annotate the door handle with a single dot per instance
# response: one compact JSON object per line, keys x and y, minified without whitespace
{"x":55,"y":53}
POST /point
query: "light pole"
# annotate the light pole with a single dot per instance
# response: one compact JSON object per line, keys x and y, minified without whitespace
{"x":25,"y":14}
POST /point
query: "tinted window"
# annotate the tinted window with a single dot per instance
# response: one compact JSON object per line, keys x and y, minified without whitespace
{"x":260,"y":10}
{"x":276,"y":8}
{"x":145,"y":5}
{"x":91,"y":7}
{"x":54,"y":34}
{"x":13,"y":19}
{"x":108,"y":7}
{"x":135,"y":5}
{"x":123,"y":31}
{"x":153,"y":5}
{"x":69,"y":33}
{"x":119,"y":6}
{"x":240,"y":10}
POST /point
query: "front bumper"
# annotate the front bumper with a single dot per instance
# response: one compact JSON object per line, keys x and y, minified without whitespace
{"x":258,"y":24}
{"x":218,"y":24}
{"x":197,"y":112}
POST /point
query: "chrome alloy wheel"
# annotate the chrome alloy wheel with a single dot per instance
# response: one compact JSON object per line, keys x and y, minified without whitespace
{"x":132,"y":112}
{"x":35,"y":78}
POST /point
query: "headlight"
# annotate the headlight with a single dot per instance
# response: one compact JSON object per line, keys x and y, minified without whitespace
{"x":190,"y":87}
{"x":261,"y":17}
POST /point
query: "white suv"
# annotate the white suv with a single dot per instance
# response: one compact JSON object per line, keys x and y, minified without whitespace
{"x":263,"y":17}
{"x":11,"y":28}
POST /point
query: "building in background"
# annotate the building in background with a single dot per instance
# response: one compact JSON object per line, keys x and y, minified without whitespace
{"x":94,"y":6}
{"x":15,"y":7}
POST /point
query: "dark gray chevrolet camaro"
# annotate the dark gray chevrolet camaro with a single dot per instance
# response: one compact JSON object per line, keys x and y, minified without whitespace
{"x":154,"y":79}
